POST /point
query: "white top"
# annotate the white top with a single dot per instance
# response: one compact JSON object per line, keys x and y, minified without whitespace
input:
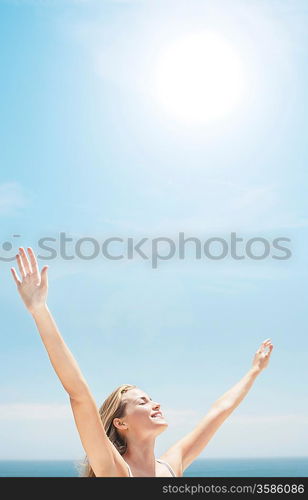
{"x":157,"y":460}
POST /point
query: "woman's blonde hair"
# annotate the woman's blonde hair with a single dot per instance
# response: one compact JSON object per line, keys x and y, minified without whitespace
{"x":112,"y":407}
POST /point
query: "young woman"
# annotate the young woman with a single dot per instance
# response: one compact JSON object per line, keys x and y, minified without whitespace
{"x":119,"y":438}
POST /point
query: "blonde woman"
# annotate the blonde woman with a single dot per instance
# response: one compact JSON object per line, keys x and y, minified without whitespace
{"x":119,"y":438}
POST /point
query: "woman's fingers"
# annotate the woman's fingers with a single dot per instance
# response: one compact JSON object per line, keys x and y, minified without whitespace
{"x":270,"y":350}
{"x":15,"y":276}
{"x":265,"y":348}
{"x":265,"y":344}
{"x":33,"y":261}
{"x":25,"y":260}
{"x":27,"y":267}
{"x":20,"y":266}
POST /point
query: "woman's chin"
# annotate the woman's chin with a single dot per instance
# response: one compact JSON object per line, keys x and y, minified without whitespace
{"x":159,"y":429}
{"x":160,"y":422}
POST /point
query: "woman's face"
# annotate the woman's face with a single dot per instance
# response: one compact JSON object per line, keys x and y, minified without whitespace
{"x":142,"y":414}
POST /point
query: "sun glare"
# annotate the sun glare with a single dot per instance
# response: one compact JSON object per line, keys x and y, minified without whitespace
{"x":199,"y":78}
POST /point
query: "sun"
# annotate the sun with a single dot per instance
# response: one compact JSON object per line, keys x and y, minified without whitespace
{"x":199,"y":78}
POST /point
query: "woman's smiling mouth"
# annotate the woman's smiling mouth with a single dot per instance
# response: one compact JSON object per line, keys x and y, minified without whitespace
{"x":158,"y":414}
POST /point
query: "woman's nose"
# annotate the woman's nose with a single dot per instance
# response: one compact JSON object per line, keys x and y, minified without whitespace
{"x":156,"y":405}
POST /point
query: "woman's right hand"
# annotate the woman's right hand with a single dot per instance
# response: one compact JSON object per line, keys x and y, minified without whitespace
{"x":33,"y":285}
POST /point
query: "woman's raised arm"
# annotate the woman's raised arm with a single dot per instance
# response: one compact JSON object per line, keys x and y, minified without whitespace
{"x":104,"y":458}
{"x":182,"y":454}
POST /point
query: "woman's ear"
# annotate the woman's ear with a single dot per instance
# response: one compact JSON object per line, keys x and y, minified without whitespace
{"x":119,"y":424}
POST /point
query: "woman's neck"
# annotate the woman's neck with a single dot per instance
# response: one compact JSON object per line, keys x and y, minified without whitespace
{"x":140,"y":456}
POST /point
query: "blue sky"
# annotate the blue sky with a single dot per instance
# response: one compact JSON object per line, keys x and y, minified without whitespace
{"x":87,"y":149}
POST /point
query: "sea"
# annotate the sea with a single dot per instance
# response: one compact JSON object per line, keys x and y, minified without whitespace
{"x":207,"y":467}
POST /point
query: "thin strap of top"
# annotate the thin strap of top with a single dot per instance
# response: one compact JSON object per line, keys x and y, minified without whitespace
{"x":157,"y":460}
{"x":167,"y":465}
{"x":129,"y":471}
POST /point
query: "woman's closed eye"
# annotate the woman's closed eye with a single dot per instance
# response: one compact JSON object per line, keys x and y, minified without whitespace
{"x":143,"y":401}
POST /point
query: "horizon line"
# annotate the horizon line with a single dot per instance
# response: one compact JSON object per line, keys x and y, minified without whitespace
{"x":201,"y":458}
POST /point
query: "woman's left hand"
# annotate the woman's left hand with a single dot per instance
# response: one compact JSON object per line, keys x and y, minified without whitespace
{"x":262,"y":356}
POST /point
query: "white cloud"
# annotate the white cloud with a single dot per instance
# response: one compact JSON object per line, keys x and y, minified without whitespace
{"x":179,"y":417}
{"x":34,"y":411}
{"x":291,"y":418}
{"x":12,"y":198}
